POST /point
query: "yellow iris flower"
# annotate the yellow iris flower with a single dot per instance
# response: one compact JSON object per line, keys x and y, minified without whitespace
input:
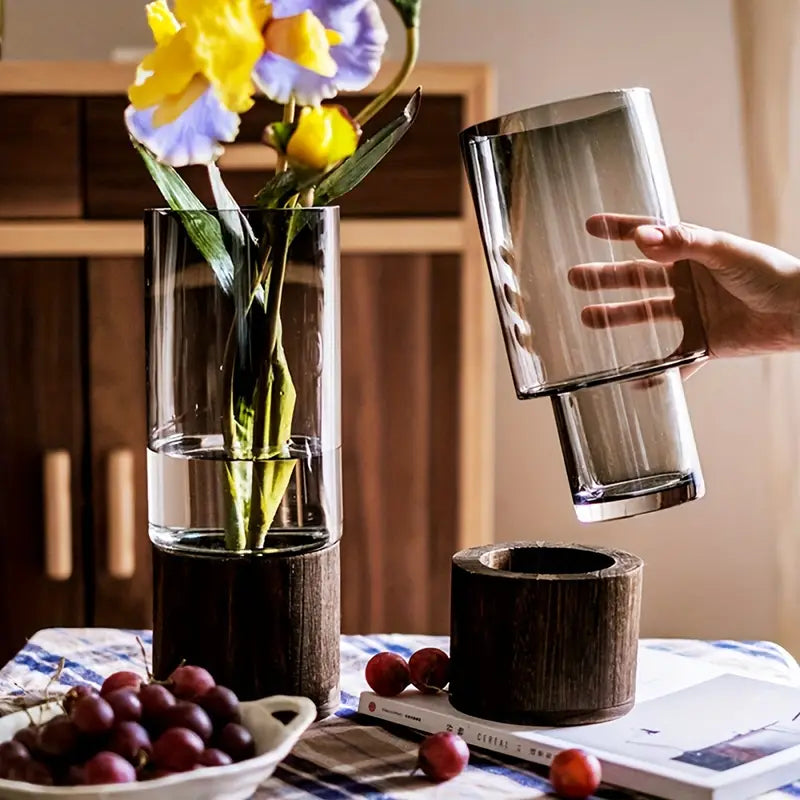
{"x":323,"y":136}
{"x":205,"y":43}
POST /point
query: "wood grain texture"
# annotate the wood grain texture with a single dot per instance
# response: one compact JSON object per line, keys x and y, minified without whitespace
{"x":386,"y":418}
{"x":117,"y":417}
{"x":420,"y":177}
{"x":40,"y":167}
{"x":544,"y":633}
{"x":261,"y":625}
{"x":41,"y":410}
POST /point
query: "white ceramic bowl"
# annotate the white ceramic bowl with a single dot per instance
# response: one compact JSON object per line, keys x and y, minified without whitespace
{"x":273,"y":742}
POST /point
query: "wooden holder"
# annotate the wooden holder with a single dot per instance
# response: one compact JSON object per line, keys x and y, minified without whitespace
{"x":544,"y":634}
{"x":261,"y":624}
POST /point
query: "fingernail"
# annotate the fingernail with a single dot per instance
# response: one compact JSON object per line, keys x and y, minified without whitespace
{"x":650,"y":235}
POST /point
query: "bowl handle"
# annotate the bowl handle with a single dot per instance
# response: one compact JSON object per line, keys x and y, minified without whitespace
{"x":305,"y":712}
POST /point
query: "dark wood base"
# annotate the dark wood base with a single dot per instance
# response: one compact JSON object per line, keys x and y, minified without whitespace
{"x":544,"y":634}
{"x":261,"y":624}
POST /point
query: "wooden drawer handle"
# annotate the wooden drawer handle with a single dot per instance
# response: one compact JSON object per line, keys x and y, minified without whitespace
{"x":248,"y":158}
{"x":121,"y":514}
{"x":57,"y":515}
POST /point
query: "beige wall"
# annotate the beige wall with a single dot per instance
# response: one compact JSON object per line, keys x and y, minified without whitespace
{"x":712,"y":565}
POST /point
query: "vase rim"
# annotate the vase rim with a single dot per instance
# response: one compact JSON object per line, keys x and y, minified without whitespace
{"x":557,"y":112}
{"x":167,"y":210}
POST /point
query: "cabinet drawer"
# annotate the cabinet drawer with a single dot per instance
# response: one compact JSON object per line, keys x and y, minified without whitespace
{"x":421,"y":177}
{"x":40,"y":167}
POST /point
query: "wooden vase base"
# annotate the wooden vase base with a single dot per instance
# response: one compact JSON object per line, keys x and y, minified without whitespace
{"x":261,"y":624}
{"x":544,"y":634}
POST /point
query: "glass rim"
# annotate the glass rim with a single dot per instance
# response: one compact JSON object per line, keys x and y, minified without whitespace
{"x":214,"y":210}
{"x":556,"y":112}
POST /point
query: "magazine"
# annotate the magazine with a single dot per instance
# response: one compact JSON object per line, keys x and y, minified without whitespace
{"x":696,"y":731}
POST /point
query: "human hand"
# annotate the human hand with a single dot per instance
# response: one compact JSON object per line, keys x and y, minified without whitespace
{"x":748,"y":293}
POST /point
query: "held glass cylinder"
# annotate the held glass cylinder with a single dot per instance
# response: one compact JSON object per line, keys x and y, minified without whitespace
{"x":243,"y":400}
{"x":544,"y":182}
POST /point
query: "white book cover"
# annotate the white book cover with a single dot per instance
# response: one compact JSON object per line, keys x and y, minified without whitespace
{"x":696,"y":731}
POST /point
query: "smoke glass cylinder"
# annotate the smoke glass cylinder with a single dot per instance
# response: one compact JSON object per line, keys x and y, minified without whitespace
{"x":537,"y":176}
{"x":207,"y":347}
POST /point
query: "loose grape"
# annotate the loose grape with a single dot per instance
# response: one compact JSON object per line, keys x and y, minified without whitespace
{"x":130,"y":740}
{"x":177,"y":749}
{"x":12,"y":754}
{"x":429,"y":669}
{"x":190,"y":682}
{"x":387,"y":674}
{"x":125,"y":704}
{"x":236,"y":741}
{"x":575,"y":773}
{"x":443,"y":756}
{"x":92,"y":715}
{"x":187,"y":715}
{"x":108,"y":767}
{"x":221,"y":704}
{"x":155,"y":699}
{"x":212,"y":757}
{"x":125,"y":679}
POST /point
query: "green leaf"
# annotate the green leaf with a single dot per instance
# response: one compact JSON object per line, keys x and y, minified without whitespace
{"x":351,"y":172}
{"x":408,"y":11}
{"x":203,"y":229}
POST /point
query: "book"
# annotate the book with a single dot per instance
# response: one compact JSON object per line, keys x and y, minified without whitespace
{"x":696,"y":732}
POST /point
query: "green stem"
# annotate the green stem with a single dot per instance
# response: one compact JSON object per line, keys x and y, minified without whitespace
{"x":288,"y":117}
{"x":412,"y":51}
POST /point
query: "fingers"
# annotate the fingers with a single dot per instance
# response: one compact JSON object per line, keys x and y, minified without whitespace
{"x":639,"y":274}
{"x":613,"y":315}
{"x":666,"y":243}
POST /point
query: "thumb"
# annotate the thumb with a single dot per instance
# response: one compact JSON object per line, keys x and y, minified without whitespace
{"x":679,"y":242}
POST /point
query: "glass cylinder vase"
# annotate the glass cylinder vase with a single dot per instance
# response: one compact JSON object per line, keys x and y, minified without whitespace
{"x":244,"y":465}
{"x":545,"y":182}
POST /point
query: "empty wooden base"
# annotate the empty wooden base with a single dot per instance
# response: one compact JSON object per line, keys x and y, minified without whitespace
{"x":544,"y":634}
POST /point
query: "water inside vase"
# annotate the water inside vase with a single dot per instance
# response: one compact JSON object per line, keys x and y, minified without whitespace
{"x":187,"y":486}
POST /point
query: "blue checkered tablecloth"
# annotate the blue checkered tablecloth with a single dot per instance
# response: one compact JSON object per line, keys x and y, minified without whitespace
{"x":347,"y":755}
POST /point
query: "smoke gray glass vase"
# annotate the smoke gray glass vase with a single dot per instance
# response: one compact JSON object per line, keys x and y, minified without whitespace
{"x":537,"y":177}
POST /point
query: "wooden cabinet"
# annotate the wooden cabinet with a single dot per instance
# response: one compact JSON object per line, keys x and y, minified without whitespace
{"x":416,"y":354}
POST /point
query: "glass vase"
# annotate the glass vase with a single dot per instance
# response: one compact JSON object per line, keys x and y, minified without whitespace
{"x":539,"y":178}
{"x":244,"y":465}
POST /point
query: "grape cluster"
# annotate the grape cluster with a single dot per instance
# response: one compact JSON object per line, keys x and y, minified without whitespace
{"x":130,"y":731}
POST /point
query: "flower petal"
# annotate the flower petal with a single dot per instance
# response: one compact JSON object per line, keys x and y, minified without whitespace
{"x":227,"y":42}
{"x":302,"y":39}
{"x":359,"y":55}
{"x":279,"y":78}
{"x":161,"y":20}
{"x":167,"y":71}
{"x":193,"y":138}
{"x":324,"y":136}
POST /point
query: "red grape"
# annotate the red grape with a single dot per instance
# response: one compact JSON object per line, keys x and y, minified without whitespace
{"x":575,"y":773}
{"x":125,"y":679}
{"x":33,"y":772}
{"x":29,"y":738}
{"x":58,"y":737}
{"x":108,"y":767}
{"x":214,"y":758}
{"x":221,"y":704}
{"x":75,"y":694}
{"x":443,"y":756}
{"x":159,"y":773}
{"x":177,"y":749}
{"x":429,"y":669}
{"x":187,"y":715}
{"x":130,"y":740}
{"x":155,"y":699}
{"x":190,"y":682}
{"x":92,"y":714}
{"x":76,"y":776}
{"x":387,"y":674}
{"x":236,"y":741}
{"x":125,"y":704}
{"x":12,"y":754}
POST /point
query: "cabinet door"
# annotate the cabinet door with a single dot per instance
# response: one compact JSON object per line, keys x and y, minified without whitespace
{"x":121,"y":548}
{"x":41,"y":423}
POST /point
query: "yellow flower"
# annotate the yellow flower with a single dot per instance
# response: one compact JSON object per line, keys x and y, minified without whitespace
{"x":324,"y":135}
{"x":205,"y":43}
